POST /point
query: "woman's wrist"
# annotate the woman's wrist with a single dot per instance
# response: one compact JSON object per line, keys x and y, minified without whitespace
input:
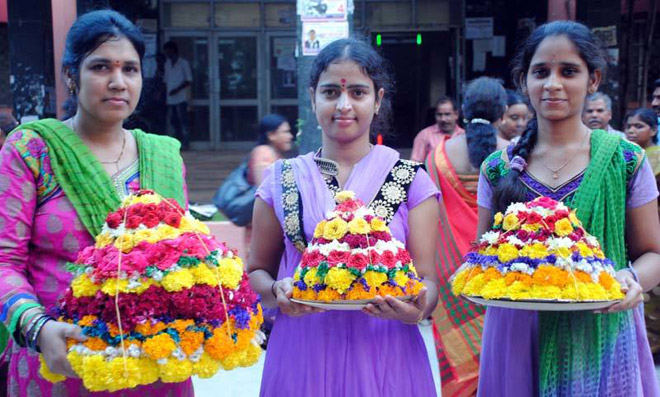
{"x":272,"y":289}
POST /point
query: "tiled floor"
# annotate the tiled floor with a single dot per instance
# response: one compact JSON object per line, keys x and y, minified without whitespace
{"x":244,"y":382}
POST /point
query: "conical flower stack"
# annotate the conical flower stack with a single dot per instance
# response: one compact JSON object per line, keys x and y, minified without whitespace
{"x":353,"y":256}
{"x":158,"y":299}
{"x":537,"y":251}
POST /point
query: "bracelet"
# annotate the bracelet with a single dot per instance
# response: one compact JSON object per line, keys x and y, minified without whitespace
{"x":20,"y":335}
{"x":35,"y":331}
{"x":272,"y":289}
{"x":419,"y":319}
{"x":633,"y":272}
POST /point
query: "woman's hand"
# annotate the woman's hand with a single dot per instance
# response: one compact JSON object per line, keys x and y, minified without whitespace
{"x":392,"y":308}
{"x":283,"y":290}
{"x":52,"y":342}
{"x":631,"y":288}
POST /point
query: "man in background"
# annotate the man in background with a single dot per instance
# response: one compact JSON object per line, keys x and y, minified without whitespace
{"x":655,"y":99}
{"x":446,"y":124}
{"x":177,"y":78}
{"x":598,"y":113}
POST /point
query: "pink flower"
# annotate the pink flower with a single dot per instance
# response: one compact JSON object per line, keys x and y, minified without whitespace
{"x":113,"y":220}
{"x":388,"y":259}
{"x":337,"y":258}
{"x":374,"y":258}
{"x":358,"y":261}
{"x":356,"y":241}
{"x":312,"y":259}
{"x":403,"y":256}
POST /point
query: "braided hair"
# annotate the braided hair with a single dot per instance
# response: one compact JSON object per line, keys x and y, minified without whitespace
{"x":485,"y":99}
{"x":510,"y":189}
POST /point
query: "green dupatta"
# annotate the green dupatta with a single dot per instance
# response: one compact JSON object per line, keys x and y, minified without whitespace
{"x":89,"y":187}
{"x":576,"y":347}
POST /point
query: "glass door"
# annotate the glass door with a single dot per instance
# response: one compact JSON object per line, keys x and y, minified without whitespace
{"x":194,"y":48}
{"x":238,"y":87}
{"x":282,"y":77}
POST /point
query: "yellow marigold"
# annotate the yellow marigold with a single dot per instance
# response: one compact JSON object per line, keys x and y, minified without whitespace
{"x":311,"y":278}
{"x":414,"y":287}
{"x":562,"y":252}
{"x":125,"y":242}
{"x":159,"y":346}
{"x":127,"y":373}
{"x":76,"y":361}
{"x":203,"y":275}
{"x":230,"y":272}
{"x":103,"y":239}
{"x":83,"y":286}
{"x":534,"y":251}
{"x":190,"y":341}
{"x":599,"y":253}
{"x":174,"y":371}
{"x":328,"y":295}
{"x":358,"y":292}
{"x":47,"y":374}
{"x":339,"y":279}
{"x":584,"y":249}
{"x":146,"y":199}
{"x":459,"y":281}
{"x":111,"y":285}
{"x":243,"y":338}
{"x":494,"y":289}
{"x":320,"y":227}
{"x":550,"y":275}
{"x":220,"y":344}
{"x":200,"y":227}
{"x":378,"y":225}
{"x":149,"y":371}
{"x":359,"y":226}
{"x":374,"y":279}
{"x":574,"y":219}
{"x":167,"y":232}
{"x":563,"y":227}
{"x":206,"y":367}
{"x":614,"y":292}
{"x":522,"y":278}
{"x":178,"y":280}
{"x":518,"y":290}
{"x":391,"y":290}
{"x":87,"y":320}
{"x":335,"y":229}
{"x":251,"y":355}
{"x":474,"y":285}
{"x":257,"y":318}
{"x":550,"y":292}
{"x":344,"y":195}
{"x":491,"y":274}
{"x":96,"y":375}
{"x":506,"y":252}
{"x":510,"y":222}
{"x":96,"y":344}
{"x":308,"y":295}
{"x":296,"y":274}
{"x":401,"y":278}
{"x":498,"y":219}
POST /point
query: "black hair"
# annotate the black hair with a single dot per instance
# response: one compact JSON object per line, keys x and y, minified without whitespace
{"x":485,"y":99}
{"x":170,"y":45}
{"x":268,"y":124}
{"x":657,"y":83}
{"x":514,"y":98}
{"x":647,"y":116}
{"x":446,"y":99}
{"x":87,"y":33}
{"x":371,"y":63}
{"x":510,"y":189}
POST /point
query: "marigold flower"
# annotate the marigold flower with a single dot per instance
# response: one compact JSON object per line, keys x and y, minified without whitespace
{"x":103,"y":239}
{"x":230,"y":272}
{"x":339,"y":279}
{"x":328,"y":295}
{"x":374,"y":279}
{"x":206,"y":367}
{"x":344,"y":195}
{"x":506,"y":252}
{"x":174,"y":371}
{"x":83,"y":286}
{"x":510,"y":222}
{"x":311,"y":278}
{"x":178,"y":280}
{"x":563,"y":227}
{"x":159,"y":346}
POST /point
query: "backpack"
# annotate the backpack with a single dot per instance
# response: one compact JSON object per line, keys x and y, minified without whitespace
{"x":235,"y":197}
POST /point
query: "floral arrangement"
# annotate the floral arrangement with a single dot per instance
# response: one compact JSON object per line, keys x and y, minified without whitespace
{"x":537,"y":250}
{"x":158,"y":299}
{"x":353,"y":256}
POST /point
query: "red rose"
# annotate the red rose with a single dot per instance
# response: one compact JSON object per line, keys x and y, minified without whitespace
{"x":172,"y":219}
{"x":151,"y":220}
{"x":312,"y":259}
{"x":561,"y":214}
{"x":173,"y":205}
{"x":388,"y":259}
{"x":533,"y":217}
{"x":579,"y":232}
{"x":337,"y":258}
{"x":374,"y":258}
{"x":574,"y":237}
{"x":132,"y":222}
{"x":358,"y":261}
{"x":150,"y":208}
{"x":356,"y":241}
{"x":383,"y":236}
{"x":403,"y":256}
{"x":113,"y":220}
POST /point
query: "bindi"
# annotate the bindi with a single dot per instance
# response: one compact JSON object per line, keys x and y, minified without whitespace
{"x":116,"y":64}
{"x":343,"y":84}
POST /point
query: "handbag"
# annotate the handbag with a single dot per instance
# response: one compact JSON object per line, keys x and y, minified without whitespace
{"x":235,"y":197}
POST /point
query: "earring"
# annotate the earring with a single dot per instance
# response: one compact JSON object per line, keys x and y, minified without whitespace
{"x":72,"y":88}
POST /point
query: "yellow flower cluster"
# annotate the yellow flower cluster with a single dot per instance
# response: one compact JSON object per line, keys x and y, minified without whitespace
{"x":229,"y":272}
{"x":344,"y":195}
{"x":129,"y":239}
{"x":547,"y":282}
{"x":335,"y":229}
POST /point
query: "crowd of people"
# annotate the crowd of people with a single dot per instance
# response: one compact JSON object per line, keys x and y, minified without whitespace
{"x":551,"y":136}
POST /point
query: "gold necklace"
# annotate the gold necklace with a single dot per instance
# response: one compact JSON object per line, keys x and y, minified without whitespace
{"x":555,"y":172}
{"x":121,"y":153}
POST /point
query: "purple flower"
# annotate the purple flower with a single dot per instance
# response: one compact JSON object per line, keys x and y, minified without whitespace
{"x":628,"y":155}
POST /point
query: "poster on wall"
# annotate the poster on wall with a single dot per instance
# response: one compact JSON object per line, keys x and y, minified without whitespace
{"x":479,"y":28}
{"x":322,"y":10}
{"x":317,"y":35}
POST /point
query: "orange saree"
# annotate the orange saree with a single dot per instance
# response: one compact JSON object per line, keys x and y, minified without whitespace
{"x":457,"y":324}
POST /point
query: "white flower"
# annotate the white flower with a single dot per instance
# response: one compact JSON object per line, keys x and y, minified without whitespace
{"x":559,"y":242}
{"x":592,"y":241}
{"x":515,"y":241}
{"x":584,"y":266}
{"x":490,"y":237}
{"x":520,"y":267}
{"x":516,"y":208}
{"x":134,"y":351}
{"x":157,"y":275}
